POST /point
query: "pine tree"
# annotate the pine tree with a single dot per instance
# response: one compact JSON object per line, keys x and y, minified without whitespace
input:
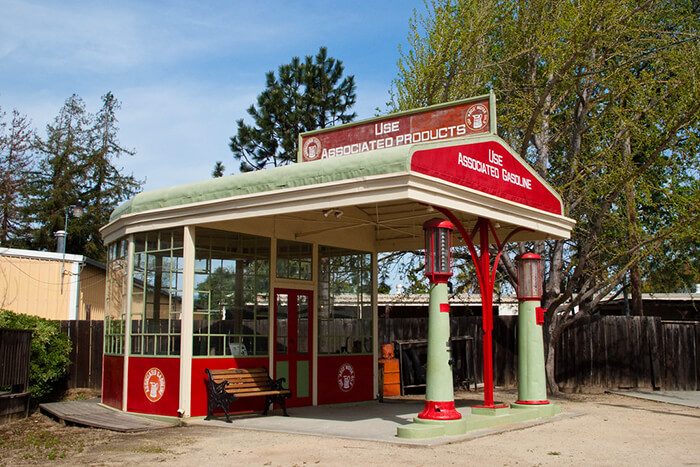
{"x":55,"y":185}
{"x":305,"y":95}
{"x":218,"y":170}
{"x":103,"y":185}
{"x":15,"y":163}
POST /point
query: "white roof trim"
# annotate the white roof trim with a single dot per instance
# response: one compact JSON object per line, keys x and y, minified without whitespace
{"x":395,"y":187}
{"x":45,"y":255}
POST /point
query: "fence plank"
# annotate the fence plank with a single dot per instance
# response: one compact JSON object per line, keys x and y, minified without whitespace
{"x":82,"y":358}
{"x":655,"y":336}
{"x":96,"y":351}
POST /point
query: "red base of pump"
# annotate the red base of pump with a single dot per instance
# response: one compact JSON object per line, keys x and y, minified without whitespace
{"x":440,"y":411}
{"x":532,"y":402}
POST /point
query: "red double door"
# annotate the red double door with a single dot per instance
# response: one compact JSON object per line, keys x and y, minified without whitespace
{"x":293,"y":342}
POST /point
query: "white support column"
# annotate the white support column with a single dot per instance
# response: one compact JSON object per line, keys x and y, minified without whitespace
{"x":271,"y":309}
{"x":127,"y":319}
{"x":187,"y":322}
{"x":74,"y":294}
{"x":375,"y":322}
{"x":315,"y":271}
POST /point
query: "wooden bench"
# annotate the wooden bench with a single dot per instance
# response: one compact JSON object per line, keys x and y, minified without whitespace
{"x":226,"y":386}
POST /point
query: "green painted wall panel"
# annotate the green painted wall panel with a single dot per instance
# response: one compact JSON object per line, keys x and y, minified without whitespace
{"x":302,"y":379}
{"x":282,"y":371}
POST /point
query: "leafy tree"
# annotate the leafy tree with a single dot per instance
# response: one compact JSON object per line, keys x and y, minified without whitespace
{"x":49,"y":351}
{"x":218,"y":170}
{"x":602,"y":98}
{"x":15,"y":163}
{"x":77,"y":167}
{"x":305,"y":95}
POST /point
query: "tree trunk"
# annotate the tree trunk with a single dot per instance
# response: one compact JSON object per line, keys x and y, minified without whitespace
{"x":551,"y":339}
{"x":635,"y":270}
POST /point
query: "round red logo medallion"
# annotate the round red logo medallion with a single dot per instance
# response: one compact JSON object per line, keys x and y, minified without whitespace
{"x":154,"y":384}
{"x":346,"y":377}
{"x":477,"y":117}
{"x":312,"y":148}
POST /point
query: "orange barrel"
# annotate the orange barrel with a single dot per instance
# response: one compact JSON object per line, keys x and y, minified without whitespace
{"x":387,"y":351}
{"x":392,"y":381}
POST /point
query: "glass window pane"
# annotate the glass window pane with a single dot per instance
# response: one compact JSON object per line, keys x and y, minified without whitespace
{"x":230,"y":300}
{"x":345,"y":307}
{"x":294,"y":260}
{"x":281,"y":323}
{"x":302,"y":324}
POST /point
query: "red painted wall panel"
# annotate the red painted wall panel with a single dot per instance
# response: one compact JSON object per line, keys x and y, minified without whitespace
{"x":198,"y":407}
{"x":112,"y":381}
{"x":168,"y":401}
{"x":345,"y":378}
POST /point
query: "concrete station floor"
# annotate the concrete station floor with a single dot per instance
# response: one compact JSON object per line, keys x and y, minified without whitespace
{"x":370,"y":421}
{"x":375,"y":421}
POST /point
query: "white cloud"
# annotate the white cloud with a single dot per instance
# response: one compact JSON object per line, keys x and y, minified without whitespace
{"x":184,"y":71}
{"x":122,"y":36}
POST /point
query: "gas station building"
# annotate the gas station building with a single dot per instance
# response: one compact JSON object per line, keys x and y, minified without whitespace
{"x":278,"y":268}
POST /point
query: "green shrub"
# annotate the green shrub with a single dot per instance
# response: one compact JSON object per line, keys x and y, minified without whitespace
{"x":50,"y":350}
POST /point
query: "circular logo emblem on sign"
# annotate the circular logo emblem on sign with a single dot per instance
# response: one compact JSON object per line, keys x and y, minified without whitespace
{"x":312,"y":148}
{"x":477,"y":117}
{"x":154,"y":384}
{"x":346,"y":377}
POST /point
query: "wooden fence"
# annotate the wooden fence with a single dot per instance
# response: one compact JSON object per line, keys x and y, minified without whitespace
{"x":609,"y":352}
{"x":87,"y":338}
{"x":504,"y":334}
{"x":629,"y":352}
{"x":15,"y":353}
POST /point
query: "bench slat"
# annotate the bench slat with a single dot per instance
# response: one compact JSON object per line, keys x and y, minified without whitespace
{"x":248,"y":384}
{"x":243,"y":380}
{"x":264,"y":393}
{"x":248,"y":388}
{"x":251,"y":371}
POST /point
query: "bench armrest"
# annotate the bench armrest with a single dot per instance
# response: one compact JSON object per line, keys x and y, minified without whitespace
{"x":220,"y":388}
{"x":216,"y":388}
{"x":276,"y":384}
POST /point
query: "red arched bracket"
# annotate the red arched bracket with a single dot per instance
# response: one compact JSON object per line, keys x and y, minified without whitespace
{"x":486,"y":276}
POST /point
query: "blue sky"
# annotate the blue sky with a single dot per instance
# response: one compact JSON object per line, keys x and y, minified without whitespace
{"x":185,"y":71}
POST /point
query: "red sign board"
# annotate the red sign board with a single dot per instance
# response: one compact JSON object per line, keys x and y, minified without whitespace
{"x":457,"y":119}
{"x":488,"y":167}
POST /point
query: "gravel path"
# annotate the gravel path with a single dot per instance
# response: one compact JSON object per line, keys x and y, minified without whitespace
{"x":610,"y":430}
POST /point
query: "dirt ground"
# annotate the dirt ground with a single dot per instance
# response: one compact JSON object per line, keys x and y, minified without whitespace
{"x":608,"y":429}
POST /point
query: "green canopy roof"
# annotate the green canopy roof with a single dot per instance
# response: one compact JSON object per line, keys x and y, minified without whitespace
{"x":390,"y":190}
{"x":384,"y":161}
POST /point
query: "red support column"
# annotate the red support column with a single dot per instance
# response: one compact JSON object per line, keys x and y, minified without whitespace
{"x":486,"y":276}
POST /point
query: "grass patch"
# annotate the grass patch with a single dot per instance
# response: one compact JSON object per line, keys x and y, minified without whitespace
{"x":45,"y":444}
{"x":39,"y":438}
{"x":150,"y":449}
